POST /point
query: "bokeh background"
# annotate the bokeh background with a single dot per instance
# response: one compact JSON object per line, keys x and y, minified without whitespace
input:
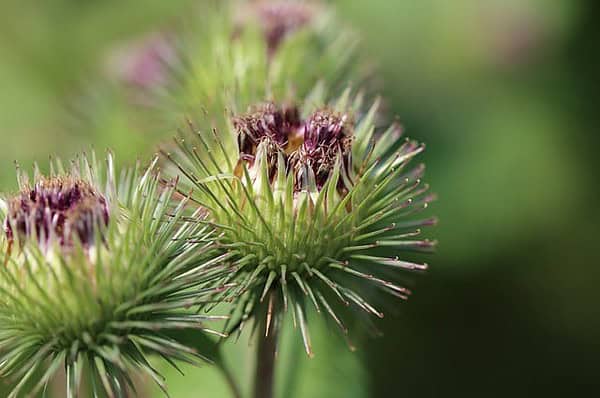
{"x":505,"y":93}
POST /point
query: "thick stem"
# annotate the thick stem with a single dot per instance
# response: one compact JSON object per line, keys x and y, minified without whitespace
{"x":264,"y":377}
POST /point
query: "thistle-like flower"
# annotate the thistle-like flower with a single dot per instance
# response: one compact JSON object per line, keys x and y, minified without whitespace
{"x":96,"y":274}
{"x":313,"y":207}
{"x":237,"y":53}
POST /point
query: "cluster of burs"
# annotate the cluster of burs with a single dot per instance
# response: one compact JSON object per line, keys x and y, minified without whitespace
{"x":284,"y":194}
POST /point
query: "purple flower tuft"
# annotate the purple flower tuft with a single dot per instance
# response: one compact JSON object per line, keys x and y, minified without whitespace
{"x":60,"y":208}
{"x":279,"y":127}
{"x":278,"y":19}
{"x":327,"y":135}
{"x":315,"y":143}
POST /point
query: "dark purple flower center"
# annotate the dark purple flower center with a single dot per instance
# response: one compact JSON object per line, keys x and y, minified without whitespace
{"x":59,"y":207}
{"x":315,"y":143}
{"x":277,"y":127}
{"x":327,"y":136}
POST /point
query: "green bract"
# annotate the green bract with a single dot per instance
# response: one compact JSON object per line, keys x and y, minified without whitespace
{"x":96,"y":272}
{"x":311,"y":205}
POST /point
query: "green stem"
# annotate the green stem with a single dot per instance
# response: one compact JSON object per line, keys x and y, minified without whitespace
{"x":264,"y":377}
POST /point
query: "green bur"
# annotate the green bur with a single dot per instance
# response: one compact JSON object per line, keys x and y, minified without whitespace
{"x":291,"y":241}
{"x":100,"y":309}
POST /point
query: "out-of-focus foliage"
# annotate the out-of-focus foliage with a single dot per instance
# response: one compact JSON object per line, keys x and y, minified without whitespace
{"x":504,"y":94}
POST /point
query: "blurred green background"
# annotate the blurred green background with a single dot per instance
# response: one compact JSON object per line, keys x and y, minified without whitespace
{"x":504,"y":92}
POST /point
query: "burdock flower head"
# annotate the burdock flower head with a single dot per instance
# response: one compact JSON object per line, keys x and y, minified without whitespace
{"x":314,"y":206}
{"x":96,"y":272}
{"x":243,"y":52}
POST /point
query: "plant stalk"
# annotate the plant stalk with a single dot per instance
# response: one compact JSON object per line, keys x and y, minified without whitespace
{"x":264,"y":377}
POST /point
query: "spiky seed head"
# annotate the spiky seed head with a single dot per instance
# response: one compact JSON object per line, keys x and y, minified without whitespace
{"x":330,"y":217}
{"x":103,"y":270}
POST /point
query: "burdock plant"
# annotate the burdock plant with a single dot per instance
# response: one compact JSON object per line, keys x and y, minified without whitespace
{"x":313,"y":206}
{"x":96,"y":272}
{"x":285,"y":199}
